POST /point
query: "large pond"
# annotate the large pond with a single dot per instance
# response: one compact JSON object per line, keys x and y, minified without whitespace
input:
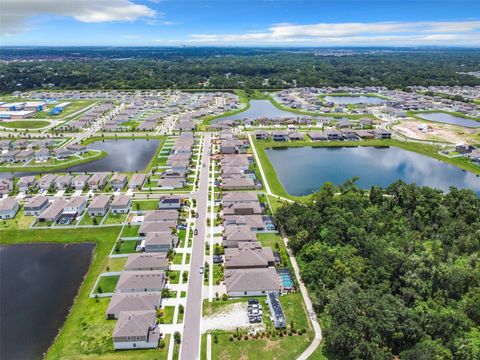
{"x":258,"y":109}
{"x":449,"y":119}
{"x":123,"y":155}
{"x":357,"y":99}
{"x":303,"y":170}
{"x":38,"y":285}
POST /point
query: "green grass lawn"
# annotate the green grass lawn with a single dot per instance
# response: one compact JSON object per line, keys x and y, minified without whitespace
{"x":130,"y":231}
{"x":25,"y":124}
{"x":89,"y":220}
{"x":20,"y":221}
{"x":106,"y":284}
{"x":115,"y":218}
{"x":217,"y":274}
{"x":174,"y":277}
{"x":145,"y":205}
{"x":167,"y":314}
{"x":177,"y":259}
{"x":182,"y":234}
{"x":125,"y":247}
{"x":116,"y":264}
{"x":270,"y":239}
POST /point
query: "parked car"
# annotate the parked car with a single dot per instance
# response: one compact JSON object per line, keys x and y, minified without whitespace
{"x":195,"y":232}
{"x":202,"y":269}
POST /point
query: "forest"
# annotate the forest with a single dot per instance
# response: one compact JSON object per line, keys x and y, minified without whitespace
{"x":231,"y":68}
{"x":392,"y":272}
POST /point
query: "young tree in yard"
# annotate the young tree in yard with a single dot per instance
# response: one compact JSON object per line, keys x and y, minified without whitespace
{"x":177,"y":337}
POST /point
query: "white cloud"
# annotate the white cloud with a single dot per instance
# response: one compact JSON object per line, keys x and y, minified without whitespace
{"x":379,"y":33}
{"x":132,"y":36}
{"x":14,"y":14}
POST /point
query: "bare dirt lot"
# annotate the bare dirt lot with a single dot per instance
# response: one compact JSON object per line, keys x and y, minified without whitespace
{"x":438,"y":132}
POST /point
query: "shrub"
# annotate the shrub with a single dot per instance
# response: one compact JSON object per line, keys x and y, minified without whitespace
{"x":230,"y":338}
{"x":161,"y":344}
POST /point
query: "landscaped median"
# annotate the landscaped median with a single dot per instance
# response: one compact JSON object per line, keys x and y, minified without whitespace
{"x":277,"y":188}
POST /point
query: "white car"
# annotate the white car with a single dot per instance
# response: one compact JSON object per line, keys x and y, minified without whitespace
{"x":202,"y":269}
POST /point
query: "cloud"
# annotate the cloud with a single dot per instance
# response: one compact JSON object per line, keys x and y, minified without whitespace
{"x":132,"y":36}
{"x":379,"y":33}
{"x":14,"y":14}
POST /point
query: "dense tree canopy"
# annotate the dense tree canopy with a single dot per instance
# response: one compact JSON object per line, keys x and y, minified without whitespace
{"x":231,"y":68}
{"x":392,"y":272}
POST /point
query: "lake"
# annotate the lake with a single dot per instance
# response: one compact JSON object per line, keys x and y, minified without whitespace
{"x":360,"y":99}
{"x":449,"y":119}
{"x":123,"y":155}
{"x":258,"y":108}
{"x":303,"y":170}
{"x":38,"y":285}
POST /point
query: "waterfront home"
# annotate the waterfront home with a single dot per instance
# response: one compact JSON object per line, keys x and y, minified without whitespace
{"x":365,"y":134}
{"x":97,"y":181}
{"x":76,"y":205}
{"x":382,"y":134}
{"x":77,"y":149}
{"x":136,"y":181}
{"x":279,"y":135}
{"x":25,"y":155}
{"x":136,"y":330}
{"x":160,"y":242}
{"x":118,"y":181}
{"x":80,"y":181}
{"x":252,"y":282}
{"x":61,"y":153}
{"x":46,"y":181}
{"x":6,"y":186}
{"x":239,"y":197}
{"x":156,"y":227}
{"x":147,"y":261}
{"x":333,"y":135}
{"x":25,"y":183}
{"x":11,"y":156}
{"x":161,"y":215}
{"x":42,"y":155}
{"x":169,"y":202}
{"x":249,"y":258}
{"x":8,"y":208}
{"x":235,"y":234}
{"x":238,"y":183}
{"x":296,"y":136}
{"x":140,"y":281}
{"x":344,"y":124}
{"x":474,"y":156}
{"x":121,"y":204}
{"x":35,"y":206}
{"x":317,"y":136}
{"x":63,"y":182}
{"x":132,"y":302}
{"x":262,"y":135}
{"x":99,"y":206}
{"x":464,"y":148}
{"x":53,"y":212}
{"x":365,"y":123}
{"x":349,"y":134}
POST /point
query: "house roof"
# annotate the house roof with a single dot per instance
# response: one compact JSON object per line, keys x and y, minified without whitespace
{"x":239,"y":233}
{"x":99,"y":202}
{"x":159,"y":238}
{"x":121,"y":200}
{"x":133,"y":302}
{"x":240,"y":196}
{"x":146,"y":261}
{"x":161,"y":215}
{"x":8,"y":204}
{"x":258,"y":257}
{"x":36,"y":201}
{"x":134,"y":323}
{"x":141,"y":280}
{"x":157,"y":226}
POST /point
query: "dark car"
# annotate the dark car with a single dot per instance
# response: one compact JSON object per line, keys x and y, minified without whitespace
{"x":252,"y":301}
{"x":195,"y":232}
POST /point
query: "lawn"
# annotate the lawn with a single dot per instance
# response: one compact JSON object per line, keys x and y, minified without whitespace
{"x":130,"y":231}
{"x":115,"y":218}
{"x":182,"y":234}
{"x":177,"y":259}
{"x":125,"y":247}
{"x":89,"y":220}
{"x":106,"y":284}
{"x":217,"y":274}
{"x":25,"y":124}
{"x":270,"y":239}
{"x":116,"y":264}
{"x":167,"y":314}
{"x":145,"y":205}
{"x":173,"y":277}
{"x":21,"y":221}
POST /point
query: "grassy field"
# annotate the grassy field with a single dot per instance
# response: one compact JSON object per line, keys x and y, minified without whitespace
{"x":277,"y":188}
{"x":145,"y":205}
{"x":107,"y":284}
{"x":130,"y":231}
{"x":125,"y":247}
{"x":115,"y":218}
{"x":21,"y":221}
{"x":25,"y":124}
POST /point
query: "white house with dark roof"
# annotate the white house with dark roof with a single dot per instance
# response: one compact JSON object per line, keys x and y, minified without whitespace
{"x":136,"y":330}
{"x":252,"y":282}
{"x":140,"y":281}
{"x":99,"y":206}
{"x":35,"y":206}
{"x":8,"y":208}
{"x":121,"y":204}
{"x":25,"y":183}
{"x":159,"y":242}
{"x":147,"y":261}
{"x":132,"y":302}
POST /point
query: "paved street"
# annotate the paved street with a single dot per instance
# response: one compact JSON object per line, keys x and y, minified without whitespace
{"x":190,"y":347}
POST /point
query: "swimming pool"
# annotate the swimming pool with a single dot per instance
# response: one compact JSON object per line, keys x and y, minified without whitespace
{"x":286,"y":278}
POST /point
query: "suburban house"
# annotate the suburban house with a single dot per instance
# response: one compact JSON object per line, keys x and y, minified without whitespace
{"x":254,"y":222}
{"x":46,"y":181}
{"x":61,"y":153}
{"x":6,"y":186}
{"x":156,"y":227}
{"x":98,"y":181}
{"x":77,"y":148}
{"x":238,"y":183}
{"x":136,"y":181}
{"x":252,"y":282}
{"x":262,"y":135}
{"x":63,"y":182}
{"x":159,"y":242}
{"x":140,"y":281}
{"x":118,"y":181}
{"x":136,"y":330}
{"x":121,"y":204}
{"x":235,"y":234}
{"x":382,"y":134}
{"x":249,"y":257}
{"x":239,"y":198}
{"x":99,"y":206}
{"x":8,"y":208}
{"x":317,"y":136}
{"x":53,"y":212}
{"x":76,"y":205}
{"x":147,"y":261}
{"x":161,"y":215}
{"x":80,"y":181}
{"x":279,"y":135}
{"x":25,"y":183}
{"x":169,"y":202}
{"x":168,"y":184}
{"x":333,"y":135}
{"x":36,"y":205}
{"x":242,"y":208}
{"x":132,"y":302}
{"x":25,"y":155}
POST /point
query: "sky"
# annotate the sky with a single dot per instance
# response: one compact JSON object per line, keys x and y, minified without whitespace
{"x":239,"y":23}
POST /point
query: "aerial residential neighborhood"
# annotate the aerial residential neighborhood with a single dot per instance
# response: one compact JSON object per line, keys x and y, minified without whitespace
{"x":252,"y":180}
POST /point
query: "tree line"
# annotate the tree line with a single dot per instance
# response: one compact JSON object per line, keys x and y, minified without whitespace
{"x":392,"y":272}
